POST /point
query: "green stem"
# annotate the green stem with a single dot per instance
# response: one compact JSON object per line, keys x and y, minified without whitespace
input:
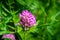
{"x":43,"y":11}
{"x":44,"y":29}
{"x":24,"y":34}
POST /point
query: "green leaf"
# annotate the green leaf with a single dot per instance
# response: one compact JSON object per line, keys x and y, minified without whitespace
{"x":34,"y":28}
{"x":16,"y":19}
{"x":51,"y":30}
{"x":8,"y":19}
{"x":5,"y":8}
{"x":19,"y":29}
{"x":4,"y":32}
{"x":0,"y":9}
{"x":21,"y":2}
{"x":6,"y":38}
{"x":57,"y":16}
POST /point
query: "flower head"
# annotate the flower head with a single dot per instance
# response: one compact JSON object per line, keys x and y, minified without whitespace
{"x":10,"y":36}
{"x":27,"y":19}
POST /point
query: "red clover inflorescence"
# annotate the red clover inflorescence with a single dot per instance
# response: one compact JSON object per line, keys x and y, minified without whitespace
{"x":27,"y":19}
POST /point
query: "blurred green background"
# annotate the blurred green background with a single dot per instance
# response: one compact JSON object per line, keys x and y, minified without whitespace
{"x":47,"y":14}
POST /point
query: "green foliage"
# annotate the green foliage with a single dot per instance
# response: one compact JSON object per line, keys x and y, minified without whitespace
{"x":47,"y":14}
